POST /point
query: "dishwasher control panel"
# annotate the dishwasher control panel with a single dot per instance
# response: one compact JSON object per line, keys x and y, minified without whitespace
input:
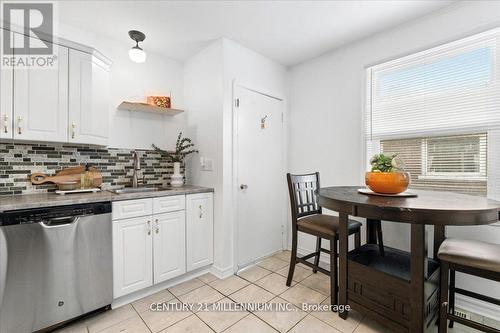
{"x":37,"y":215}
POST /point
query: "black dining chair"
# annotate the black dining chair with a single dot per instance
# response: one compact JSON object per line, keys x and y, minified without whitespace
{"x":470,"y":257}
{"x":308,"y":217}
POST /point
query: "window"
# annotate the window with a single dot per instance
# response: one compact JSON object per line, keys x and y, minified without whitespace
{"x":454,"y":163}
{"x":440,"y":111}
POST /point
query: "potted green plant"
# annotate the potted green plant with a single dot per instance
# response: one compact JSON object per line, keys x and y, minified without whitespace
{"x":387,"y":174}
{"x":183,"y":148}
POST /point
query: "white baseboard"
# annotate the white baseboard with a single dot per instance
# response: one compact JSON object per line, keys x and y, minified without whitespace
{"x":127,"y":299}
{"x":478,"y":307}
{"x":222,"y":273}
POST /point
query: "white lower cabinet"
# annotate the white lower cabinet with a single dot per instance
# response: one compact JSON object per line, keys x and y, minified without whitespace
{"x":150,"y":247}
{"x":132,"y":255}
{"x":199,"y":230}
{"x":169,"y":244}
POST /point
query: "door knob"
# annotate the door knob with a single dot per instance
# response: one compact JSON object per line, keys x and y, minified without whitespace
{"x":243,"y":186}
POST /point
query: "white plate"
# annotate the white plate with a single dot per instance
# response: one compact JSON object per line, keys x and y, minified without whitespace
{"x":404,"y":194}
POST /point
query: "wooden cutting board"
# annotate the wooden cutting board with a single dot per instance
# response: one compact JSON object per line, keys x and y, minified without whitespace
{"x":72,"y":174}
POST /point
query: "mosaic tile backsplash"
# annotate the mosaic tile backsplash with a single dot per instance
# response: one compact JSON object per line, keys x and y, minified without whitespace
{"x":19,"y":161}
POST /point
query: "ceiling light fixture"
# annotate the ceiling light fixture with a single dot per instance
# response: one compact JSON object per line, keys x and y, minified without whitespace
{"x":136,"y":54}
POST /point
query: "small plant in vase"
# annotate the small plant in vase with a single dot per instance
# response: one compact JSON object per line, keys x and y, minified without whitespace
{"x":183,"y":148}
{"x":387,"y":174}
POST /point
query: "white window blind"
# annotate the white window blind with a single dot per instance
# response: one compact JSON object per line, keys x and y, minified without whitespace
{"x":440,"y":110}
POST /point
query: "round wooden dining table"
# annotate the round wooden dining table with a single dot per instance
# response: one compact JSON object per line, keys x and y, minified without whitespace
{"x":436,"y":208}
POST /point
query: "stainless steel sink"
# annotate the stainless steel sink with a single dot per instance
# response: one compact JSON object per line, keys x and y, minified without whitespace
{"x":134,"y":190}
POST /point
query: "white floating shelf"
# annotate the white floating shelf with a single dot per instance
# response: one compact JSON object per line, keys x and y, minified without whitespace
{"x":144,"y":107}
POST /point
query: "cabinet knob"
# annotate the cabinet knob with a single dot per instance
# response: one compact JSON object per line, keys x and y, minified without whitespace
{"x":73,"y":130}
{"x":157,"y":229}
{"x":149,"y":228}
{"x":201,"y":211}
{"x":5,"y":123}
{"x":243,"y":186}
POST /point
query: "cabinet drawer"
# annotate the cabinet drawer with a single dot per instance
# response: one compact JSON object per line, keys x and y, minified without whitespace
{"x":169,"y":204}
{"x":132,"y":208}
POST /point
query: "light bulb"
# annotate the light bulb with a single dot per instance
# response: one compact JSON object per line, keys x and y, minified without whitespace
{"x":136,"y":54}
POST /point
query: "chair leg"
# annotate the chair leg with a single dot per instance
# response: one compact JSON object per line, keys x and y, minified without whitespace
{"x":452,"y":295}
{"x":293,"y":258}
{"x":443,"y":298}
{"x":380,"y":238}
{"x":318,"y":249}
{"x":333,"y":273}
{"x":357,"y":239}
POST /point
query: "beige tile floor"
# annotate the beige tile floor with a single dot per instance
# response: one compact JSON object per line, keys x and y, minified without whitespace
{"x":264,"y":282}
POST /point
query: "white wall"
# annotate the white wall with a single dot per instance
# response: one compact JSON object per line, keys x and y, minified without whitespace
{"x":130,"y":81}
{"x":209,"y":78}
{"x":327,"y":95}
{"x":203,"y":88}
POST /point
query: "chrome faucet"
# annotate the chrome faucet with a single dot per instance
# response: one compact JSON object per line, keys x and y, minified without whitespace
{"x":137,"y":167}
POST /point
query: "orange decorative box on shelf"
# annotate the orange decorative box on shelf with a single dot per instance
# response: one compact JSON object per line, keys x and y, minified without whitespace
{"x":387,"y":182}
{"x":161,"y":101}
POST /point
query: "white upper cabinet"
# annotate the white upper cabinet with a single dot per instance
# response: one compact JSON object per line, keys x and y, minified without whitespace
{"x":6,"y":105}
{"x":68,"y":102}
{"x":41,"y":100}
{"x":199,"y":230}
{"x":88,"y":99}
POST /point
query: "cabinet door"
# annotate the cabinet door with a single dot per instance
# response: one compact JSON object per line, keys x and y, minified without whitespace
{"x":41,"y":100}
{"x":199,"y":230}
{"x":88,"y":99}
{"x":6,"y":105}
{"x":132,"y":255}
{"x":169,"y":243}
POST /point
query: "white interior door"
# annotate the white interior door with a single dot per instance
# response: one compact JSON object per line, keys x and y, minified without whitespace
{"x":260,"y":175}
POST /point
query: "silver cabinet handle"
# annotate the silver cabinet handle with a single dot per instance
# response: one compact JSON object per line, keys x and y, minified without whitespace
{"x":157,"y":229}
{"x":243,"y":186}
{"x":73,"y":130}
{"x":149,"y":228}
{"x":19,"y":125}
{"x":5,"y":123}
{"x":201,"y":211}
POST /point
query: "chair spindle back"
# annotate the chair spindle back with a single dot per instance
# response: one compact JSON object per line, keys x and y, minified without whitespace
{"x":303,"y":197}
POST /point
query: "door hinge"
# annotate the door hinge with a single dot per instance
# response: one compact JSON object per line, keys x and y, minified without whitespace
{"x":237,"y":102}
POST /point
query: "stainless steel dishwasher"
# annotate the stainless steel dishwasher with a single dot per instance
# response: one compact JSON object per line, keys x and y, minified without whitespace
{"x":55,"y":265}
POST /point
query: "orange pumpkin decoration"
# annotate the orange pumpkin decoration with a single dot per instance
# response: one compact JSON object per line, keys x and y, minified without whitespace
{"x":387,"y":182}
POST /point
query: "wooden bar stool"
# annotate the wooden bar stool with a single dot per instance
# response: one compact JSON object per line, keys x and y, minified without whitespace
{"x":307,"y":217}
{"x":471,"y":257}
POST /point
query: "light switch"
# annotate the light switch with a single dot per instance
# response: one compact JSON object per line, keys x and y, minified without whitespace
{"x":207,"y":165}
